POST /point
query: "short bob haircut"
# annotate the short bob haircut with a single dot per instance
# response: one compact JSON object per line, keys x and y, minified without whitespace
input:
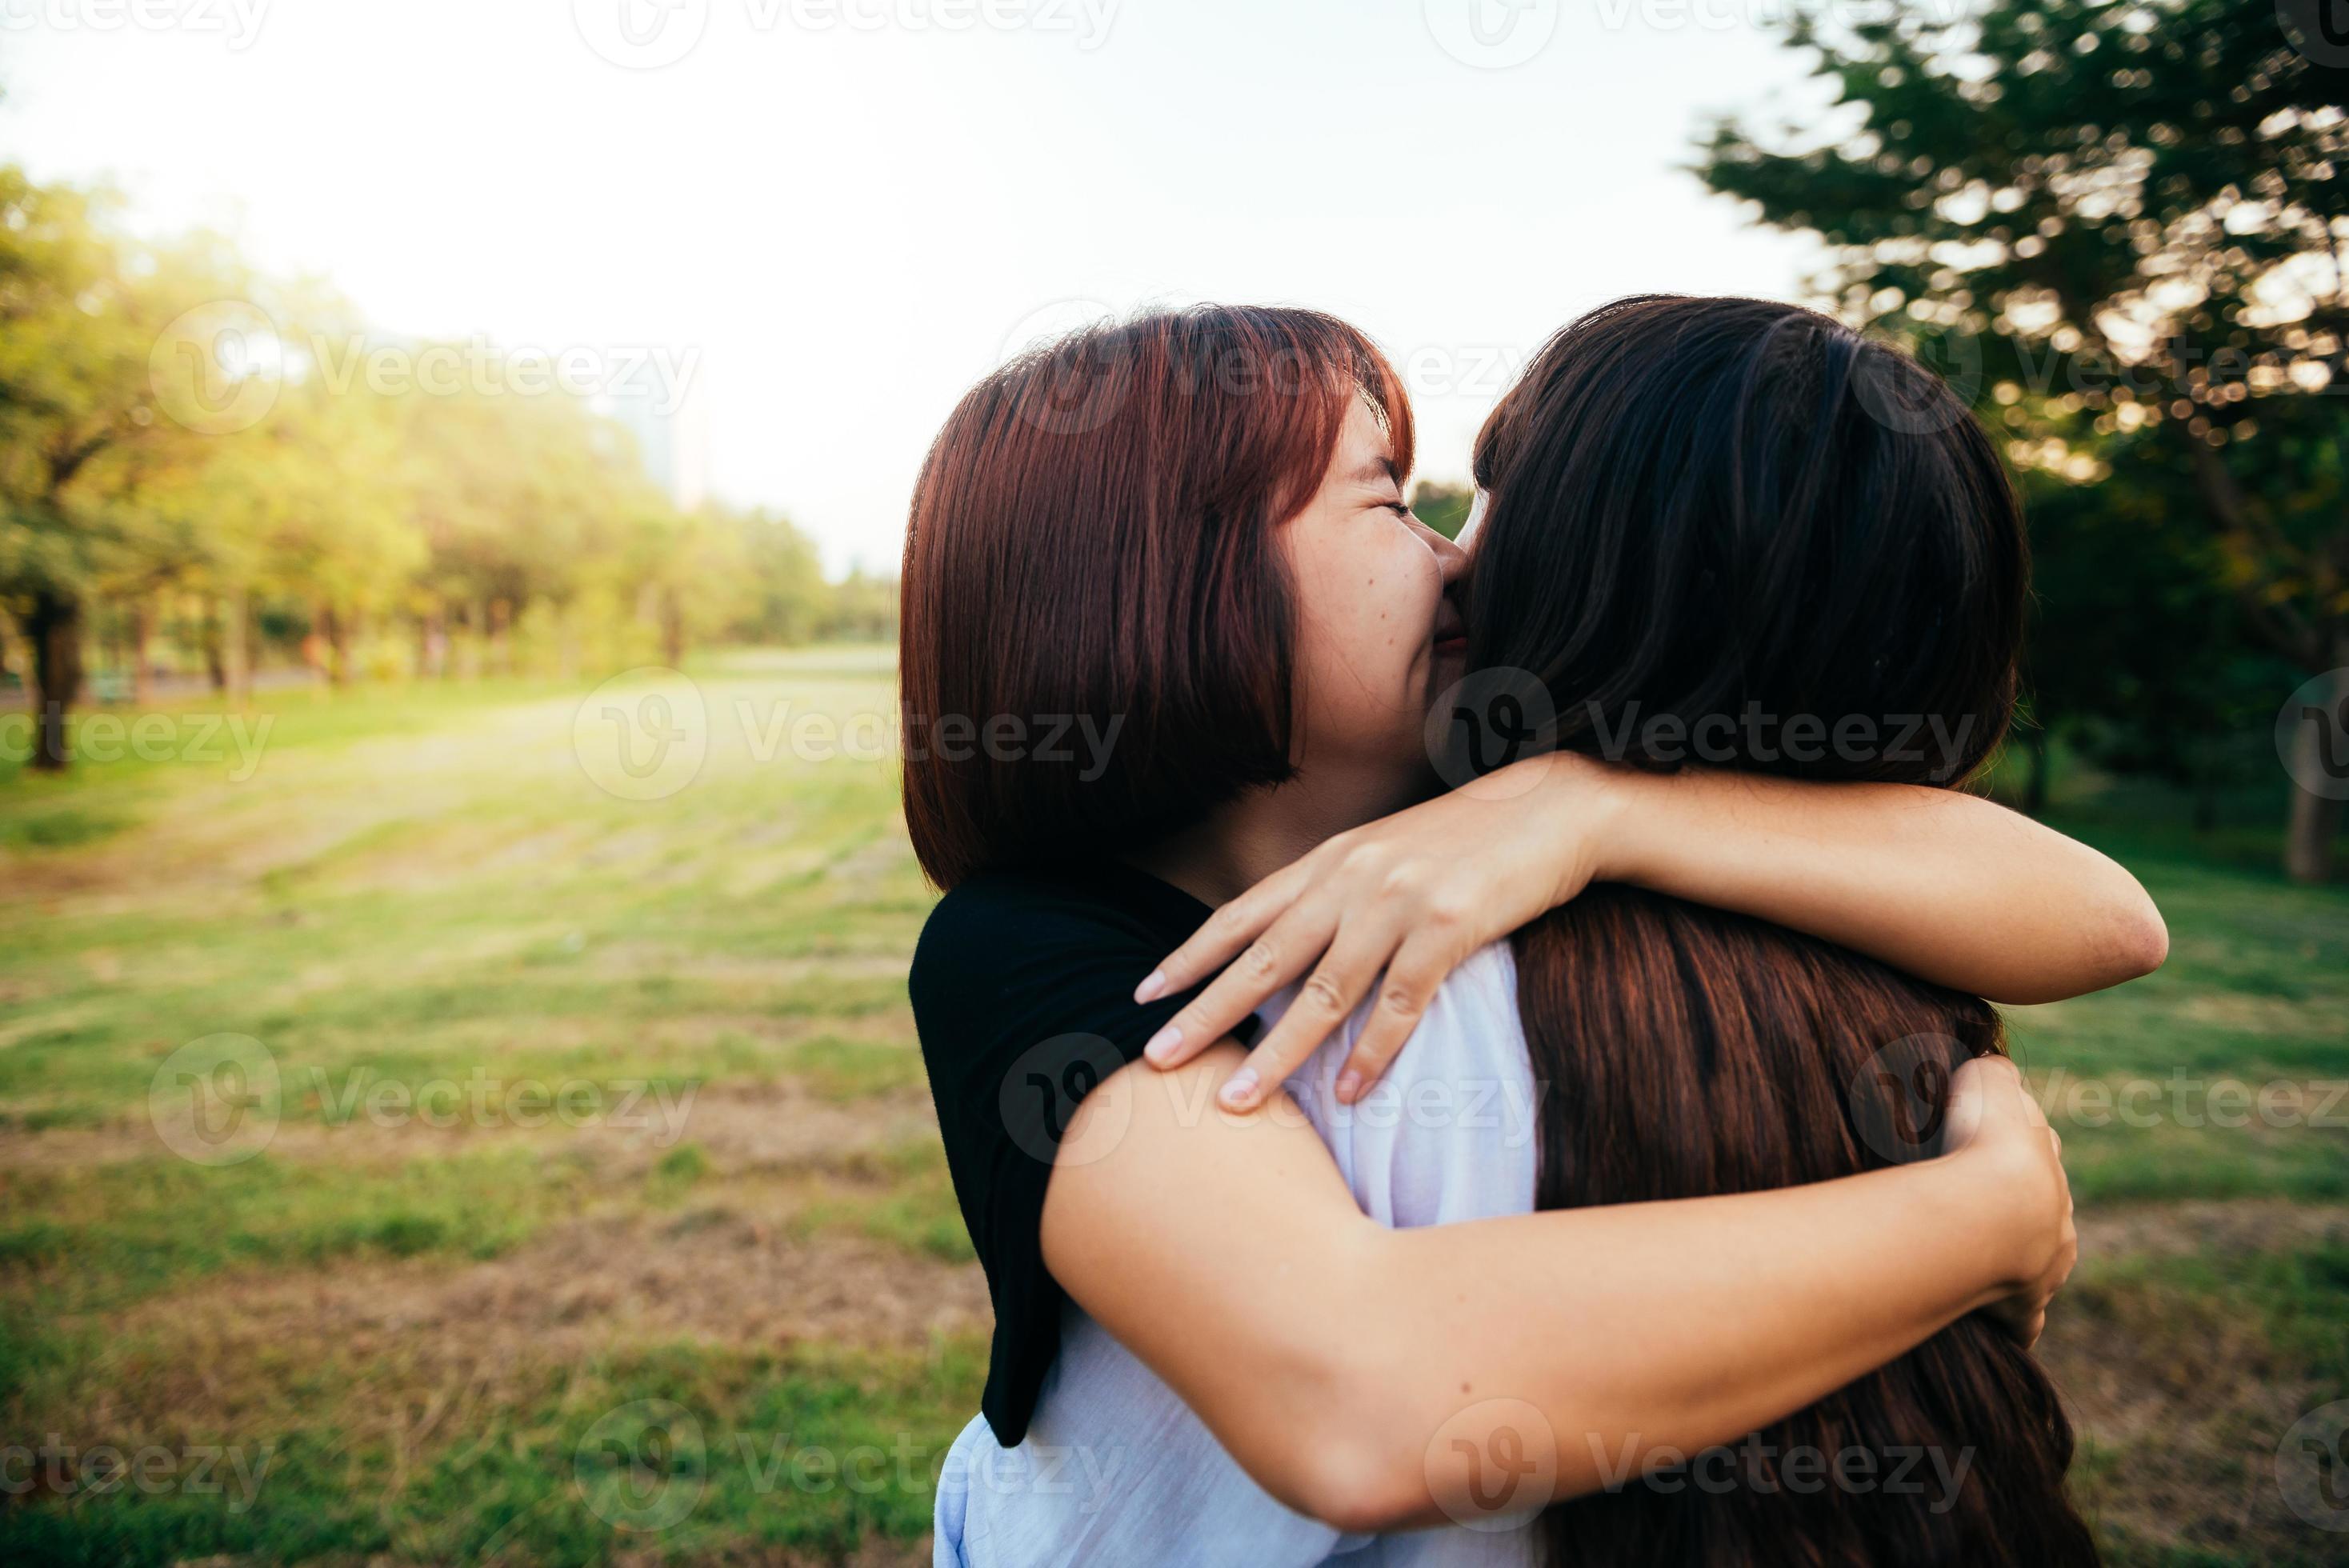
{"x":1097,"y":624}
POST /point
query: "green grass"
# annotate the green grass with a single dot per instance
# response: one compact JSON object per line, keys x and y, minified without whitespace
{"x":473,"y":1338}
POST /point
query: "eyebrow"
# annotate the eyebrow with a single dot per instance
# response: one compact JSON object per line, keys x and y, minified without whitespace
{"x":1376,"y":470}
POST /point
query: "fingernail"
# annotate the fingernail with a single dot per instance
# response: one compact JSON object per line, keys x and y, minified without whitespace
{"x":1150,"y":990}
{"x":1164,"y":1044}
{"x":1240,"y":1089}
{"x":1350,"y":1084}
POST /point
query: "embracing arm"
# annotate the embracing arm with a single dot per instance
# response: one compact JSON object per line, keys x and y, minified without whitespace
{"x":1951,"y":888}
{"x":1358,"y":1374}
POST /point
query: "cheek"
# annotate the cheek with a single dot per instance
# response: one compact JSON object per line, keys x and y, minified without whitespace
{"x":1365,"y":617}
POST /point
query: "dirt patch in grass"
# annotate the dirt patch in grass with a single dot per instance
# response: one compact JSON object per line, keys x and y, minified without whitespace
{"x":2219,"y":1229}
{"x":742,"y":1127}
{"x":708,"y":1274}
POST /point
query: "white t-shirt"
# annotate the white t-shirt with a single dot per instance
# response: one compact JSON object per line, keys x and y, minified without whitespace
{"x":1116,"y":1470}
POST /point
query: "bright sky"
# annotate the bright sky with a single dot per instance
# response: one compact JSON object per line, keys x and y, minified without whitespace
{"x":843,"y":212}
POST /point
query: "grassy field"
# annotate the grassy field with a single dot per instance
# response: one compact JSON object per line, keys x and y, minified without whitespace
{"x":424,"y":1138}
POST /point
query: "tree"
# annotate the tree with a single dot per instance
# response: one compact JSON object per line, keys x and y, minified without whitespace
{"x":111,"y":381}
{"x":2133,"y":655}
{"x":786,"y":598}
{"x":2103,"y":216}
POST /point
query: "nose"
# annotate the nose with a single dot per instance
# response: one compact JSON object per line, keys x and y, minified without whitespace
{"x":1451,"y":560}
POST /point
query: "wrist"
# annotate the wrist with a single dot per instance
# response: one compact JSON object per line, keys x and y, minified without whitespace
{"x":1994,"y":1219}
{"x":1616,"y":811}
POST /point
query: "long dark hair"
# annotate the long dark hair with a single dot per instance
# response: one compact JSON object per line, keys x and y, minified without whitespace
{"x":1712,"y":510}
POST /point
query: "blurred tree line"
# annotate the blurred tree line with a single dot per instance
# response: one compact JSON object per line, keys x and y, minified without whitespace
{"x":2116,"y":226}
{"x":189,"y":477}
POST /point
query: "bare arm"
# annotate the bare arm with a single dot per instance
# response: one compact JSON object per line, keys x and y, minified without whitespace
{"x":1951,"y":888}
{"x":1358,"y":1372}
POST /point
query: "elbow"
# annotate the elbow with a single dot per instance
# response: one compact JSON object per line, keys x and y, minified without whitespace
{"x":1353,"y":1481}
{"x":2140,"y":938}
{"x":1342,"y":1446}
{"x":2118,"y":939}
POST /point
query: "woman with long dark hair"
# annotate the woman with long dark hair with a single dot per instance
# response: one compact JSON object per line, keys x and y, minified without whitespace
{"x":1185,"y":535}
{"x":1708,"y":510}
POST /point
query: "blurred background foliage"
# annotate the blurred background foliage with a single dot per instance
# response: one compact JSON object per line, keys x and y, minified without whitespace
{"x":191,"y":485}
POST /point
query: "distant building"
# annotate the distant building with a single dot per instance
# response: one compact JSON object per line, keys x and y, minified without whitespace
{"x":671,"y":428}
